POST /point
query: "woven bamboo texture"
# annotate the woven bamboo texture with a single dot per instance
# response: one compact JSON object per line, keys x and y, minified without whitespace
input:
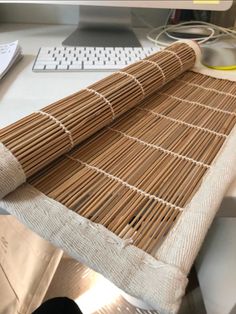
{"x":137,"y":175}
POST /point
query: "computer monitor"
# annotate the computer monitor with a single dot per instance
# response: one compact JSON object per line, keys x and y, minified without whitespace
{"x":108,"y":23}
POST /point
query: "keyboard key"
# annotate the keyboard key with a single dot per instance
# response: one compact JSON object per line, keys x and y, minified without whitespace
{"x":58,"y":59}
{"x":62,"y":67}
{"x":75,"y":67}
{"x":39,"y":67}
{"x":47,"y":62}
{"x":77,"y":63}
{"x":88,"y":63}
{"x":51,"y":67}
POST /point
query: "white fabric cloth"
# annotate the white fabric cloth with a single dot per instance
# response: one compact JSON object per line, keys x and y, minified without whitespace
{"x":11,"y":173}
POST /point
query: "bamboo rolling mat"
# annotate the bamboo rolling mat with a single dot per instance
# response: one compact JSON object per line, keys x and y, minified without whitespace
{"x":133,"y":154}
{"x":136,"y":176}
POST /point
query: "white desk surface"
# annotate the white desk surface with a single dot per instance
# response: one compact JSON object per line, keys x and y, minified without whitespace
{"x":23,"y":91}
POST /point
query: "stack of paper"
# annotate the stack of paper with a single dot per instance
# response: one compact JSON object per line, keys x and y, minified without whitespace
{"x":10,"y":54}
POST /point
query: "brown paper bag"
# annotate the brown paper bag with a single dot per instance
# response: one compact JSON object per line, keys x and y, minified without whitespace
{"x":27,"y":266}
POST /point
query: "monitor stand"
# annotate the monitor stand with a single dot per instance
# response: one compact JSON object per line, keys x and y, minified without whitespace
{"x":103,"y":27}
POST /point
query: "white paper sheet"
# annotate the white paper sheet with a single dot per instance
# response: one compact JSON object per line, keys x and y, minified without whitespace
{"x":10,"y":53}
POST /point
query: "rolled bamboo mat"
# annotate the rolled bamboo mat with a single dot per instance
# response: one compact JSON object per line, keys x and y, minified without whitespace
{"x":135,"y":198}
{"x":43,"y":136}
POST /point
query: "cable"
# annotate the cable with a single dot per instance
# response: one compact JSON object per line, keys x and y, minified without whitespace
{"x":200,"y":40}
{"x":215,"y":32}
{"x":168,"y":17}
{"x":164,"y":31}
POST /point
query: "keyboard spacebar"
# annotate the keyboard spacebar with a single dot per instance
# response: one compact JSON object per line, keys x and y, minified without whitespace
{"x":102,"y":67}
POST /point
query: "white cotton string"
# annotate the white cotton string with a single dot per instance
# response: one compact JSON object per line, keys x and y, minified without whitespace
{"x":103,"y":98}
{"x":134,"y":79}
{"x":199,"y":104}
{"x":183,"y":123}
{"x":158,"y":67}
{"x":60,"y":124}
{"x":207,"y":88}
{"x":126,"y":184}
{"x":169,"y":152}
{"x":177,"y":56}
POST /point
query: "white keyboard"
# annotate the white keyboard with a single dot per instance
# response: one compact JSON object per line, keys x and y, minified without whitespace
{"x":88,"y":58}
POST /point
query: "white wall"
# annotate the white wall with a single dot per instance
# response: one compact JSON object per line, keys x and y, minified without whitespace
{"x":67,"y":14}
